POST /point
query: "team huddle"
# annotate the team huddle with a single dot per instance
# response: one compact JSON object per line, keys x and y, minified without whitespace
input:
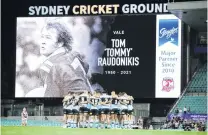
{"x":98,"y":110}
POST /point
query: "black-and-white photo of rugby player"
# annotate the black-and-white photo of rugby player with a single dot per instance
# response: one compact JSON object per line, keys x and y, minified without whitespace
{"x":58,"y":55}
{"x":62,"y":70}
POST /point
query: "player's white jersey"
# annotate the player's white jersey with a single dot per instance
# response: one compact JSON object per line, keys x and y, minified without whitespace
{"x":64,"y":104}
{"x":69,"y":102}
{"x":24,"y":115}
{"x":94,"y":101}
{"x":106,"y":99}
{"x":83,"y":99}
{"x":123,"y":102}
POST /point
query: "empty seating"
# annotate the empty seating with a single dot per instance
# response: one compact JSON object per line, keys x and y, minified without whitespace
{"x":198,"y":84}
{"x":197,"y":104}
{"x":199,"y":81}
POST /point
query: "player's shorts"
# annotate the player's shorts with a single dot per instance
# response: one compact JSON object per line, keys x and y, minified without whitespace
{"x":24,"y":120}
{"x":94,"y":112}
{"x":105,"y":110}
{"x":69,"y":112}
{"x":65,"y":111}
{"x":75,"y":109}
{"x":83,"y":110}
{"x":114,"y":109}
{"x":124,"y":111}
{"x":130,"y":112}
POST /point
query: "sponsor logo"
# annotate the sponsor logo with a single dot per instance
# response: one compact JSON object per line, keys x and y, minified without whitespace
{"x":168,"y":31}
{"x":167,"y":84}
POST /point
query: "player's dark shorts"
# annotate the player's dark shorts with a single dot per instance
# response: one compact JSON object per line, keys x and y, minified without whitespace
{"x":115,"y":111}
{"x":84,"y":110}
{"x":105,"y":111}
{"x":94,"y":112}
{"x":130,"y":112}
{"x":68,"y":112}
{"x":124,"y":111}
{"x":65,"y":111}
{"x":75,"y":111}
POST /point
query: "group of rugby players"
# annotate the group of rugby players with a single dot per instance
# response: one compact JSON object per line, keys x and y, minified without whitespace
{"x":98,"y":110}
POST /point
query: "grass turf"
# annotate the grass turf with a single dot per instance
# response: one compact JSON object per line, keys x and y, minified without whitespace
{"x":65,"y":131}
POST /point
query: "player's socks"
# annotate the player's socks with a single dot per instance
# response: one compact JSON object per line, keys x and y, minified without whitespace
{"x":112,"y":124}
{"x":106,"y":124}
{"x":73,"y":124}
{"x":102,"y":125}
{"x":125,"y":124}
{"x":81,"y":124}
{"x":96,"y":124}
{"x":69,"y":124}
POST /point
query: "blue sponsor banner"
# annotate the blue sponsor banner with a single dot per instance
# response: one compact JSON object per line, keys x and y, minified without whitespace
{"x":195,"y":117}
{"x":168,"y":57}
{"x":168,"y":31}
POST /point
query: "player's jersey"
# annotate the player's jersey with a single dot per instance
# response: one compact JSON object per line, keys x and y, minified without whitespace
{"x":94,"y":101}
{"x":83,"y":98}
{"x":63,"y":72}
{"x":123,"y":100}
{"x":130,"y":102}
{"x":24,"y":115}
{"x":75,"y":100}
{"x":105,"y":99}
{"x":69,"y":104}
{"x":115,"y":101}
{"x":65,"y":104}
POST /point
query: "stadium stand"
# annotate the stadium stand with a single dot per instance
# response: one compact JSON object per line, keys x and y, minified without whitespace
{"x":194,"y":98}
{"x":197,"y":102}
{"x":199,"y":81}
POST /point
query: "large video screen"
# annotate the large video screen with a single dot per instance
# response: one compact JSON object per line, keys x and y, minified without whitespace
{"x":57,"y":55}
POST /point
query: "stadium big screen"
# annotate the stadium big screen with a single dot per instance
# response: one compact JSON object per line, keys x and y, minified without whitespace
{"x":137,"y":54}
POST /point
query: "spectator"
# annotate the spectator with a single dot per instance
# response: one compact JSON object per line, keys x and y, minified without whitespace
{"x":189,"y":110}
{"x":140,"y":123}
{"x":180,"y":113}
{"x":184,"y":110}
{"x":176,"y":124}
{"x":176,"y":111}
{"x":151,"y":127}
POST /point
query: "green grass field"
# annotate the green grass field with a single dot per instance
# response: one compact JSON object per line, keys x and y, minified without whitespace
{"x":65,"y":131}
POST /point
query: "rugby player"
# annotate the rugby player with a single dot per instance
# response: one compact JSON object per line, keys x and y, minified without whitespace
{"x":75,"y":110}
{"x":130,"y":110}
{"x":105,"y":110}
{"x":69,"y":105}
{"x":84,"y":110}
{"x":24,"y":116}
{"x":114,"y":110}
{"x":124,"y":110}
{"x":93,"y":118}
{"x":65,"y":101}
